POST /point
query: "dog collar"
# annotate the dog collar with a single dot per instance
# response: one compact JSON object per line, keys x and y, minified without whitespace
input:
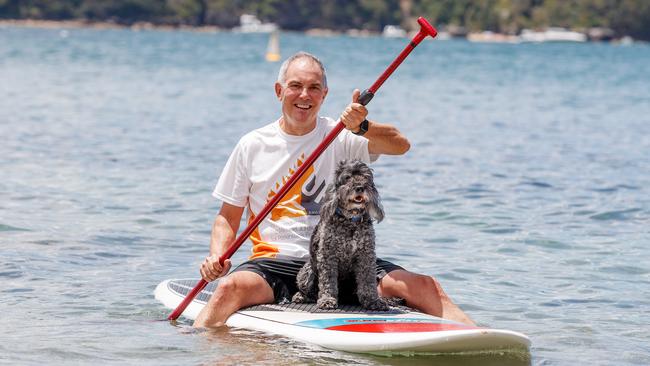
{"x":355,"y":218}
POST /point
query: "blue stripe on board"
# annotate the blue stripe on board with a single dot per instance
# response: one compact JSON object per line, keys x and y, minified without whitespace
{"x":333,"y":322}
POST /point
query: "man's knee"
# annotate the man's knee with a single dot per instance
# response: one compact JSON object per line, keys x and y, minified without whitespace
{"x":407,"y":284}
{"x":242,"y":288}
{"x":426,"y":282}
{"x":226,"y":285}
{"x":225,"y":288}
{"x":429,"y":283}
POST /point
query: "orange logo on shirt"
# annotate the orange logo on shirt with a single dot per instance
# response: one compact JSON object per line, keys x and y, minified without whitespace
{"x":291,"y":204}
{"x":300,"y":200}
{"x":261,"y":249}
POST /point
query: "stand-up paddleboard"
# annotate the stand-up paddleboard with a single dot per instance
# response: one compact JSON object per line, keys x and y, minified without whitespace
{"x":351,"y":328}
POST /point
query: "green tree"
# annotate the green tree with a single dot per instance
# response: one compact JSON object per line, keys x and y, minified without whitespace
{"x":192,"y":12}
{"x":510,"y":16}
{"x":10,"y":9}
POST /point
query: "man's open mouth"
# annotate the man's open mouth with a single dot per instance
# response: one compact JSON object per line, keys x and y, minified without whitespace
{"x":303,"y":106}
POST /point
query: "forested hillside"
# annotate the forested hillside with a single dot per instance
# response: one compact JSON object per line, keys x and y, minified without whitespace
{"x":625,"y":17}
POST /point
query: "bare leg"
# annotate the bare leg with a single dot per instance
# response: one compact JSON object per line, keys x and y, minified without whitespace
{"x":423,"y":293}
{"x":235,"y":291}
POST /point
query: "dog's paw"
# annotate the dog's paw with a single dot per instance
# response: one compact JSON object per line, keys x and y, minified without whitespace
{"x":327,"y":303}
{"x":378,"y":304}
{"x":299,"y":298}
{"x":394,"y":301}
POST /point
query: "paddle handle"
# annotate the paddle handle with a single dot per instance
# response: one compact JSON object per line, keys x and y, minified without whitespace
{"x":365,"y":97}
{"x":426,"y":29}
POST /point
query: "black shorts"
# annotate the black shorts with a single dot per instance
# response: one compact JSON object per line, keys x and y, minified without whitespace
{"x":281,"y":274}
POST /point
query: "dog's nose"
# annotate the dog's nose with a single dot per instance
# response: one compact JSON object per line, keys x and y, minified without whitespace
{"x":358,"y":190}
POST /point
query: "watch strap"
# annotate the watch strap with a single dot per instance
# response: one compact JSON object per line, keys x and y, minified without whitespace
{"x":363,"y":128}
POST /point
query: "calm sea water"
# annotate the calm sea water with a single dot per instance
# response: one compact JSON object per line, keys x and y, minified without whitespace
{"x":526,"y":191}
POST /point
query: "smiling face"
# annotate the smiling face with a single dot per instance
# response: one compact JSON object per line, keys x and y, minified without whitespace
{"x":302,"y":93}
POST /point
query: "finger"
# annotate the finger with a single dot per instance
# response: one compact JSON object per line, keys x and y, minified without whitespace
{"x":355,"y":96}
{"x":354,"y":120}
{"x":206,"y":274}
{"x":346,"y":114}
{"x":226,"y":266}
{"x":347,"y":120}
{"x":359,"y":108}
{"x":357,"y":113}
{"x":216,"y":267}
{"x":214,"y":264}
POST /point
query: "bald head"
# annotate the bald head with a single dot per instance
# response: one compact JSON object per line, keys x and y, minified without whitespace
{"x":308,"y":57}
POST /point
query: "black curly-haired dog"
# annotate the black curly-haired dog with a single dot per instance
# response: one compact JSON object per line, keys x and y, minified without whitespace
{"x":342,"y":245}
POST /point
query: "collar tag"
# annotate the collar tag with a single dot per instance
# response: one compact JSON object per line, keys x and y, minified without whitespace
{"x":355,"y":218}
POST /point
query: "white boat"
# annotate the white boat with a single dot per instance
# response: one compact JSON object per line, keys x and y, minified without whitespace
{"x":491,"y":37}
{"x":553,"y":34}
{"x":625,"y":41}
{"x":393,"y":31}
{"x":250,"y":24}
{"x":563,"y":35}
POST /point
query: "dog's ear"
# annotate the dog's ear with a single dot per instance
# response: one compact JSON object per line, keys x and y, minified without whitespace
{"x":340,"y":168}
{"x":330,"y":202}
{"x":375,"y":209}
{"x":339,"y":173}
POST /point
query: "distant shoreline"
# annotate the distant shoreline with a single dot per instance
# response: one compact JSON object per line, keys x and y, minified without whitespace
{"x":481,"y":37}
{"x":89,"y":24}
{"x":69,"y":24}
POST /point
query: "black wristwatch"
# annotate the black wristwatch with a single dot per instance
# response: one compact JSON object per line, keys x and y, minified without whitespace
{"x":363,"y":128}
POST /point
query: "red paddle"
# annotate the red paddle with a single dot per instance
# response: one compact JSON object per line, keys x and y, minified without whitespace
{"x":425,"y":30}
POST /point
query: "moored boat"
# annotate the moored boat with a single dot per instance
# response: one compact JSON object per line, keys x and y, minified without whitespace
{"x":250,"y":24}
{"x":553,"y":34}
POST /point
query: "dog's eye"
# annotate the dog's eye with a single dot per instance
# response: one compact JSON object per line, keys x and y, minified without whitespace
{"x":345,"y":178}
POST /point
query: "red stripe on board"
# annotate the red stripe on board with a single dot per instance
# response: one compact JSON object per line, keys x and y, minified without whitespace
{"x":398,"y":327}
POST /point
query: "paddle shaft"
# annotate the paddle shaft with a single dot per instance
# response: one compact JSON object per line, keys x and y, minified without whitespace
{"x":365,"y":97}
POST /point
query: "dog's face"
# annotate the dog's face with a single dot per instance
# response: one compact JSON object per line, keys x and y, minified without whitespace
{"x":355,"y":191}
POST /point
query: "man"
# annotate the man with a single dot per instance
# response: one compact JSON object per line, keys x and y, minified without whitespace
{"x":258,"y":167}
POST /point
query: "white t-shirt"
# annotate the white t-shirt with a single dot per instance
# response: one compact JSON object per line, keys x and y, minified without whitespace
{"x":263,"y":161}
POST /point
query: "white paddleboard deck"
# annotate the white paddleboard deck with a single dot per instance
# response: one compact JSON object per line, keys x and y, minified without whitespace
{"x":350,"y":328}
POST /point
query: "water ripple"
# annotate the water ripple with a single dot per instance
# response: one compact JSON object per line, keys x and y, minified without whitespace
{"x":527,"y":201}
{"x":619,"y":215}
{"x":5,"y":227}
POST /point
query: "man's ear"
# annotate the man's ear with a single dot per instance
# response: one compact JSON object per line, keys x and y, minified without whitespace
{"x":278,"y":90}
{"x":325,"y":93}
